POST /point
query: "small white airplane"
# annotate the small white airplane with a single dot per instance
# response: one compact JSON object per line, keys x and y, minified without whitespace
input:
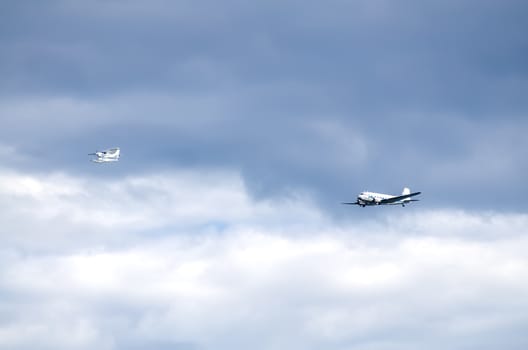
{"x":109,"y":155}
{"x":373,"y":198}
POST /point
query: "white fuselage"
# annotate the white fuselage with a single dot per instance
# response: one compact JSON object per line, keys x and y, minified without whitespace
{"x":373,"y":198}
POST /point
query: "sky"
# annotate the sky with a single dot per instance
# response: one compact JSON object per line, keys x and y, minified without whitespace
{"x":242,"y":127}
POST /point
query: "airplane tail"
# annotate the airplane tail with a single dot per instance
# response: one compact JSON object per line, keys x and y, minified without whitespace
{"x":406,"y":191}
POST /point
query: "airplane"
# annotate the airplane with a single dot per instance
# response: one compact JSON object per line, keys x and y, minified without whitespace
{"x":373,"y":198}
{"x":109,"y":155}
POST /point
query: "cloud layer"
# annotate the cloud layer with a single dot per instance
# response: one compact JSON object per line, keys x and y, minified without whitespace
{"x":139,"y":263}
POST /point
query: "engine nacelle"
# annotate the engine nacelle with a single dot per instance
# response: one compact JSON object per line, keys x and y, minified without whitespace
{"x":366,"y":198}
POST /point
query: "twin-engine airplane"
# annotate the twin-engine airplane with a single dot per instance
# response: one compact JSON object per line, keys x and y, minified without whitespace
{"x":373,"y":198}
{"x":109,"y":155}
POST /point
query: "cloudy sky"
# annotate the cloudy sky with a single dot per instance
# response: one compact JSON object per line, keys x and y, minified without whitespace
{"x":242,"y":127}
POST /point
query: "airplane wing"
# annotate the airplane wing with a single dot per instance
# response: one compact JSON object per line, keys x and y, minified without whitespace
{"x":398,"y":198}
{"x":355,"y":203}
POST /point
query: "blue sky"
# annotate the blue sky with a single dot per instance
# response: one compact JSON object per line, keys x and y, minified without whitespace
{"x":242,"y":127}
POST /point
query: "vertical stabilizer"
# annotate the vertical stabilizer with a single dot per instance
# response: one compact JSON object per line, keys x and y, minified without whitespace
{"x":405,"y":191}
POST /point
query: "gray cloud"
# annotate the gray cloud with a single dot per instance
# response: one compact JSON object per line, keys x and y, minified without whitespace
{"x":333,"y":157}
{"x":412,"y":55}
{"x":416,"y":88}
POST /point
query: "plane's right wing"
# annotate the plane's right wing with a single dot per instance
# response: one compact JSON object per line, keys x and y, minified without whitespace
{"x":350,"y":203}
{"x":398,"y":198}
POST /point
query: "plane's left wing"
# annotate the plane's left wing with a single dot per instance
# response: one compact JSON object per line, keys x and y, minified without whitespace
{"x":398,"y":198}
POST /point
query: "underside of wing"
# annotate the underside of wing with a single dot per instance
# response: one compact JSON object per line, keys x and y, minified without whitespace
{"x":351,"y":203}
{"x":399,"y":198}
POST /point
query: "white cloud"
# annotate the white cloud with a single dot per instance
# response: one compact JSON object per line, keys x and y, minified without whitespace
{"x":163,"y":270}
